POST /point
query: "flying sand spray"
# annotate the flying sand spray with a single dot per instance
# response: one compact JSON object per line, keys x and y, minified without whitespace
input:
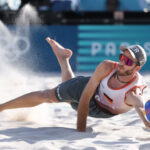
{"x":15,"y":81}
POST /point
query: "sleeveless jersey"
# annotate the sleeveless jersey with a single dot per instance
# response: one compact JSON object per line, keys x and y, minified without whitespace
{"x":115,"y":98}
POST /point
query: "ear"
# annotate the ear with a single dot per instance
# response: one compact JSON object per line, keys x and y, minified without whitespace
{"x":138,"y":68}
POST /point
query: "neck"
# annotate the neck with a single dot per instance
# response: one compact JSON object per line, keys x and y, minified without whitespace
{"x":125,"y":79}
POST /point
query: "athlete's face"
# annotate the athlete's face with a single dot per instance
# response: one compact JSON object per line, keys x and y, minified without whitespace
{"x":124,"y":68}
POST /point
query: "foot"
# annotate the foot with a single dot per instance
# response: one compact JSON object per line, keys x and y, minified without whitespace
{"x":60,"y":52}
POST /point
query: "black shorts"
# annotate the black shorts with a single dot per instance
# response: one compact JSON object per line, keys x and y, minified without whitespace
{"x":71,"y":90}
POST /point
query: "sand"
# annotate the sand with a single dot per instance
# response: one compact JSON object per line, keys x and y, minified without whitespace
{"x":53,"y":126}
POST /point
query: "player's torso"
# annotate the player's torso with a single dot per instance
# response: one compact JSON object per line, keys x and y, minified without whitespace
{"x":112,"y":97}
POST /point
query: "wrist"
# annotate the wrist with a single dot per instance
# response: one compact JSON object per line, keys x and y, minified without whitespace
{"x":81,"y":129}
{"x":147,"y":124}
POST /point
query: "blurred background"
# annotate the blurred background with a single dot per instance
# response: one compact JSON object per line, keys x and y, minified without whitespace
{"x":93,"y":29}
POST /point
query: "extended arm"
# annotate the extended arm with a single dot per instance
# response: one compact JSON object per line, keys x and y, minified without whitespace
{"x":88,"y":92}
{"x":136,"y":99}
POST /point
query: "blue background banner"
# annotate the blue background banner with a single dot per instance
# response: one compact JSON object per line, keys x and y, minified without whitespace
{"x":38,"y":55}
{"x":97,"y":43}
{"x":91,"y":44}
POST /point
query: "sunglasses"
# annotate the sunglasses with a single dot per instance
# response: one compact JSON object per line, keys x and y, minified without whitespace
{"x":127,"y":60}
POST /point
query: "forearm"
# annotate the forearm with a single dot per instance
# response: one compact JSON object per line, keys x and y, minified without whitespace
{"x":83,"y":110}
{"x":146,"y":123}
{"x":140,"y":112}
{"x":81,"y":120}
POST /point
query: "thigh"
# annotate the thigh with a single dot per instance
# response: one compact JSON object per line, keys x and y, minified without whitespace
{"x":71,"y":90}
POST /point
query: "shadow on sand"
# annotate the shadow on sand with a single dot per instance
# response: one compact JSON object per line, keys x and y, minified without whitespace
{"x":33,"y":135}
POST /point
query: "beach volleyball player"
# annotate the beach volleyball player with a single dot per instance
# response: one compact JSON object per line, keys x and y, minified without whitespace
{"x":114,"y":88}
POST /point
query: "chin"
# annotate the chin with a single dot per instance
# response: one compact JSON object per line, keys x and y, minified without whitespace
{"x":120,"y":71}
{"x":124,"y":73}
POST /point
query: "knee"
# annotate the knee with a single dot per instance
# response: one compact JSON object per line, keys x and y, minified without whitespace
{"x":47,"y":96}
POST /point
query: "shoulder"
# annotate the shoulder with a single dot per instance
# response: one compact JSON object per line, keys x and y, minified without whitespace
{"x":135,"y":98}
{"x":103,"y":69}
{"x":138,"y":86}
{"x":135,"y":95}
{"x":106,"y":66}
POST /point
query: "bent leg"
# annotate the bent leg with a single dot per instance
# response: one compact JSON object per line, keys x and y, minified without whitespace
{"x":30,"y":100}
{"x":63,"y":56}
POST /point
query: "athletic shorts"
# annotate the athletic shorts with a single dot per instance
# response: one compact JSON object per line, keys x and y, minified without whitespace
{"x":71,"y":90}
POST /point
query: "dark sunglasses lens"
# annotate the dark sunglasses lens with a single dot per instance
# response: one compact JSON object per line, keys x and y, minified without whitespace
{"x":127,"y":61}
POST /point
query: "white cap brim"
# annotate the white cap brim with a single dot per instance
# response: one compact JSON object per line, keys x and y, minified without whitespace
{"x":123,"y":48}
